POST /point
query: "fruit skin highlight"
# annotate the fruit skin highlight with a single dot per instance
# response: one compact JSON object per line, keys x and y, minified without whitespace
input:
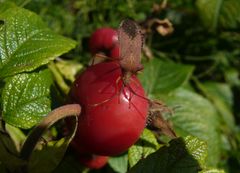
{"x":113,"y":114}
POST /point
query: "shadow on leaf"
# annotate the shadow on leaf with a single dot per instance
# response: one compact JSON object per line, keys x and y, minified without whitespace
{"x":181,"y":156}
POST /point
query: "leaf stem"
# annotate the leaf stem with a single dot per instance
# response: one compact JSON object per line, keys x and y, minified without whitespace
{"x":49,"y":120}
{"x":59,"y":79}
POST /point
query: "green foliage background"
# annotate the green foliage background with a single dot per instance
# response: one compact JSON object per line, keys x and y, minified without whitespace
{"x":195,"y":71}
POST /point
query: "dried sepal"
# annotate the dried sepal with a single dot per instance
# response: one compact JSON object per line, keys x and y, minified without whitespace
{"x":156,"y":121}
{"x":163,"y":27}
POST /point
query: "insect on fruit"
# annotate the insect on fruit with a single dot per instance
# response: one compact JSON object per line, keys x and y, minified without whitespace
{"x":114,"y":104}
{"x":113,"y":100}
{"x":130,"y":42}
{"x":129,"y":47}
{"x":113,"y":117}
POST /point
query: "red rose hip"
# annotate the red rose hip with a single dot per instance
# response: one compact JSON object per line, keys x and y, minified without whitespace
{"x":104,"y":40}
{"x":93,"y":162}
{"x":113,"y":114}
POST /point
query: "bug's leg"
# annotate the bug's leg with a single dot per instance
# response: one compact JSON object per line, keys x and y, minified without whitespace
{"x":121,"y":89}
{"x":128,"y":97}
{"x":145,"y":98}
{"x":140,"y":68}
{"x":137,"y":109}
{"x":104,"y":101}
{"x":102,"y":58}
{"x":132,"y":92}
{"x":136,"y":83}
{"x":130,"y":100}
{"x":113,"y":96}
{"x":162,"y":107}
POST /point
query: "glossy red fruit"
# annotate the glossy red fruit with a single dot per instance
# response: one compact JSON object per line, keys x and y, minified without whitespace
{"x":93,"y":161}
{"x":87,"y":159}
{"x":114,"y":52}
{"x":110,"y":122}
{"x":103,"y":40}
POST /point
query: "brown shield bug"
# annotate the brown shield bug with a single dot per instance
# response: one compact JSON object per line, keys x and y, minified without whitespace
{"x":130,"y":40}
{"x":122,"y":80}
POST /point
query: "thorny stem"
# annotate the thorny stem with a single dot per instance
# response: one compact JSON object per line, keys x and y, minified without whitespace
{"x":49,"y":120}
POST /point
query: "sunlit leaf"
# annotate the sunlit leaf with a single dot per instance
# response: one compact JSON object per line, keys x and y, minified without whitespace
{"x":146,"y":145}
{"x":160,"y":76}
{"x":26,"y":98}
{"x":119,"y":164}
{"x":26,"y":43}
{"x":194,"y":115}
{"x":182,"y":156}
{"x":219,"y":13}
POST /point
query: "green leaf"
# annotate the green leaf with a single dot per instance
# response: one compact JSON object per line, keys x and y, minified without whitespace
{"x":8,"y":144}
{"x":209,"y":12}
{"x":26,"y":43}
{"x":219,"y":13}
{"x":212,"y":171}
{"x":222,"y":91}
{"x":8,"y":157}
{"x":160,"y":76}
{"x":1,"y":89}
{"x":232,"y":76}
{"x":70,"y":164}
{"x":2,"y":168}
{"x":119,"y":164}
{"x":5,"y":6}
{"x":26,"y":98}
{"x":146,"y":145}
{"x":68,"y":69}
{"x":17,"y":136}
{"x":194,"y":115}
{"x":48,"y":157}
{"x":181,"y":156}
{"x":20,"y":3}
{"x":229,"y":16}
{"x":221,"y":96}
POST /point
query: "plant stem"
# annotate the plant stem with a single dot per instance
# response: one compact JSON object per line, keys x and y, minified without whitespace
{"x":49,"y":120}
{"x":59,"y":79}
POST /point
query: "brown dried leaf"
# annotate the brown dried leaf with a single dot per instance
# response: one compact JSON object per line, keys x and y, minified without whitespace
{"x":156,"y":120}
{"x":165,"y":27}
{"x":147,"y":52}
